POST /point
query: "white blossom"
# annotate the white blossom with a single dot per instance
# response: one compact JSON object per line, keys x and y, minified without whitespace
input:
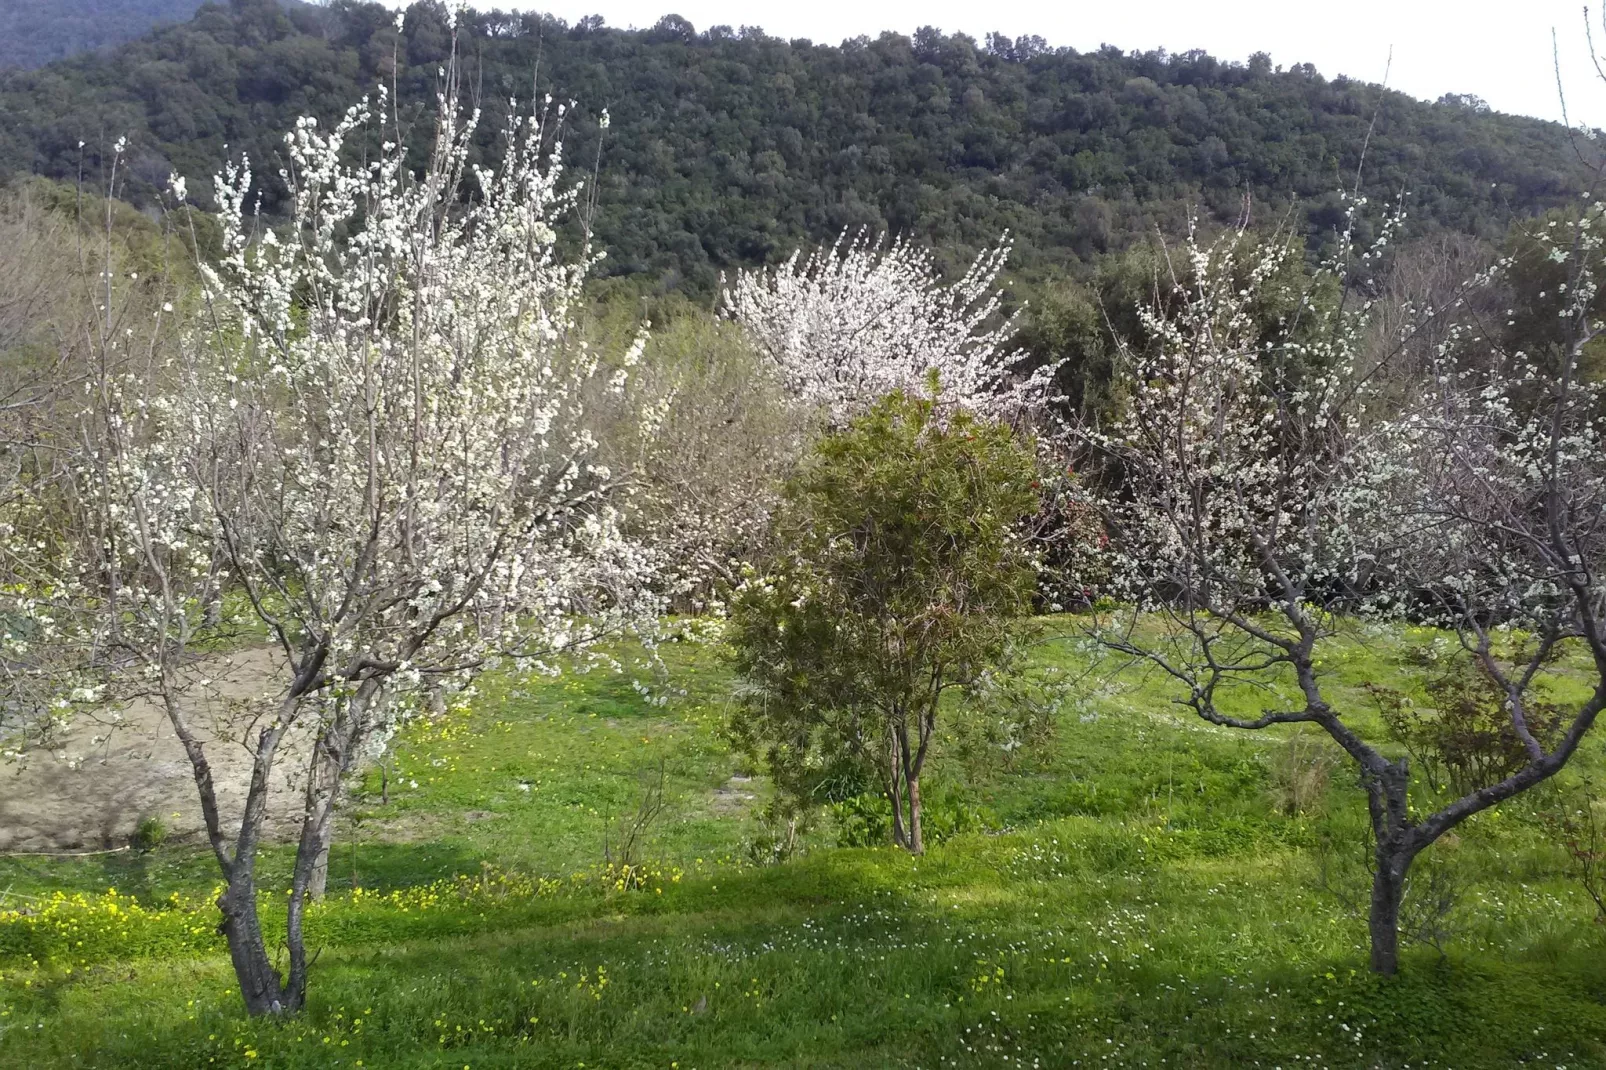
{"x":376,"y":443}
{"x":848,"y":325}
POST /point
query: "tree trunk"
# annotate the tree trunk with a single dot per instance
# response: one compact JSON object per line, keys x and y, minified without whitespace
{"x":1393,"y":833}
{"x":333,"y":760}
{"x":317,"y":833}
{"x":261,"y":986}
{"x":1384,"y":923}
{"x":311,"y":872}
{"x":917,"y":840}
{"x":909,"y":764}
{"x":332,"y":756}
{"x":892,"y":785}
{"x":318,"y":878}
{"x":895,"y":797}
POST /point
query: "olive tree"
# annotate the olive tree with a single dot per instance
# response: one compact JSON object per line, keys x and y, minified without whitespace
{"x":905,"y":570}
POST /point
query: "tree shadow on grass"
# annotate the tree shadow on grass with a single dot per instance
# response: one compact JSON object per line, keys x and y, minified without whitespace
{"x":845,"y":959}
{"x":381,"y":866}
{"x":1466,"y":1012}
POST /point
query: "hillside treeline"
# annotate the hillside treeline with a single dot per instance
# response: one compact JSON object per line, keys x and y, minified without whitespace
{"x":36,"y":32}
{"x":730,"y":147}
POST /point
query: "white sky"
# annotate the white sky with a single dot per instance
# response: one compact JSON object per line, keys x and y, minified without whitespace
{"x":1499,"y":50}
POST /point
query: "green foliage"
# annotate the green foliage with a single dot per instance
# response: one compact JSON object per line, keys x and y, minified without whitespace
{"x":91,"y":228}
{"x":733,"y":148}
{"x":1461,"y":738}
{"x":149,"y":834}
{"x":1065,"y":322}
{"x":1080,"y":320}
{"x":1535,"y":295}
{"x":902,"y":576}
{"x":866,"y":820}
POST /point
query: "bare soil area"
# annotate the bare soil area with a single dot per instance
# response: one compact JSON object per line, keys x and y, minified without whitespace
{"x":86,"y":795}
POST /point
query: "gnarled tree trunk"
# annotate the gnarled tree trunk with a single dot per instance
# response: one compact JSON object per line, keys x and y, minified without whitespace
{"x":263,"y":989}
{"x":261,"y":986}
{"x":1383,"y":921}
{"x":1396,"y":847}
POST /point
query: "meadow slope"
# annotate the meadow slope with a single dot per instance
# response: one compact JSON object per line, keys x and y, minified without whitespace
{"x":1139,"y":890}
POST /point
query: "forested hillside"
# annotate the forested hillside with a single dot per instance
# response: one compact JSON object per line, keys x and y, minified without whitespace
{"x":36,"y":32}
{"x":730,"y":147}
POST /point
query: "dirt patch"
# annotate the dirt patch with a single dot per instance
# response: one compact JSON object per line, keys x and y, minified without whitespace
{"x":88,"y":795}
{"x":735,"y":794}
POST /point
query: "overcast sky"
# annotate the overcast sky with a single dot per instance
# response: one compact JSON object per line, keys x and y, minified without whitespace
{"x":1500,"y":51}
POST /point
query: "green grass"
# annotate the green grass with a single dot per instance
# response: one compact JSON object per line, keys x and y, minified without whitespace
{"x":1138,"y":897}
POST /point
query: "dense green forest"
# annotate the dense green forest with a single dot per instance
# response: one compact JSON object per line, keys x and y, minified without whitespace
{"x":36,"y":32}
{"x":732,"y":147}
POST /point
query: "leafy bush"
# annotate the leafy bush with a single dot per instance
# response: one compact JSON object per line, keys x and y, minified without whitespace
{"x":1466,"y":739}
{"x":866,"y":820}
{"x":149,"y":834}
{"x":904,"y":577}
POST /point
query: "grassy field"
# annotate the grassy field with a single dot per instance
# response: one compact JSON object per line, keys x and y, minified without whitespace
{"x":1138,"y":890}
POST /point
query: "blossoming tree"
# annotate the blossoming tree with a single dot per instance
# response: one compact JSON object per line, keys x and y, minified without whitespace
{"x":1260,"y":501}
{"x":1489,"y":499}
{"x":376,"y":450}
{"x":846,"y":326}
